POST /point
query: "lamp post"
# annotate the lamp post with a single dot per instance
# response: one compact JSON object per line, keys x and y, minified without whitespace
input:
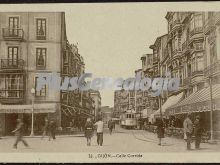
{"x":211,"y":113}
{"x":32,"y":112}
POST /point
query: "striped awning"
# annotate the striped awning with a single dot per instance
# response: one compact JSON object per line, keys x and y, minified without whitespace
{"x":198,"y":101}
{"x":38,"y":108}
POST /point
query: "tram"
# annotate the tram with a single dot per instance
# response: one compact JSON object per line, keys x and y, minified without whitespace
{"x":128,"y":120}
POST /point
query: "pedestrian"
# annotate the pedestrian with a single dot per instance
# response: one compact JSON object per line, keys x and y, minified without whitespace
{"x":110,"y":126}
{"x":197,"y":132}
{"x":99,"y":126}
{"x":52,"y":130}
{"x":19,"y":134}
{"x":160,"y":130}
{"x":188,"y":129}
{"x":45,"y":128}
{"x":88,"y":131}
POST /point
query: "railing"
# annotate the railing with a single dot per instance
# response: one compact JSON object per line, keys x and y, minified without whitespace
{"x":12,"y":64}
{"x":196,"y":30}
{"x":187,"y":81}
{"x":212,"y":69}
{"x":12,"y":33}
{"x":197,"y":73}
{"x":185,"y":45}
{"x":178,"y":132}
{"x":11,"y":94}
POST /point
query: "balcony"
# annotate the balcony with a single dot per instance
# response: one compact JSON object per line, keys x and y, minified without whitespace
{"x":12,"y":34}
{"x":217,"y":18}
{"x":176,"y":25}
{"x":213,"y":69}
{"x":11,"y":95}
{"x":197,"y":73}
{"x":12,"y":64}
{"x":196,"y":31}
{"x":176,"y":53}
{"x":187,"y":81}
{"x":209,"y":25}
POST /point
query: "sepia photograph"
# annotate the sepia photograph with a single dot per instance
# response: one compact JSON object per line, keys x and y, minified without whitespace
{"x":110,"y":82}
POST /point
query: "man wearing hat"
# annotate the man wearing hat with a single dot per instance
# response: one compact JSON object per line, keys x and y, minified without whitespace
{"x":198,"y":132}
{"x":188,"y":129}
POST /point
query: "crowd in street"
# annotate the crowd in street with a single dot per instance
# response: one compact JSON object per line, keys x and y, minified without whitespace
{"x":190,"y":128}
{"x":49,"y":130}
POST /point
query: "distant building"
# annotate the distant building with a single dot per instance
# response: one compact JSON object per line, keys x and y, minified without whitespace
{"x":95,"y":95}
{"x":107,"y":113}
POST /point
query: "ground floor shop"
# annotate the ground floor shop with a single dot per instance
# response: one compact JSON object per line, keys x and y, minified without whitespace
{"x":10,"y":113}
{"x":198,"y":104}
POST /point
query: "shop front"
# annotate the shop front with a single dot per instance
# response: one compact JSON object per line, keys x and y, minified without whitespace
{"x":199,"y":103}
{"x":9,"y":114}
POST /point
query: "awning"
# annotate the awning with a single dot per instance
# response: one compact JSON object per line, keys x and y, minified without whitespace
{"x":38,"y":108}
{"x":172,"y":100}
{"x":197,"y":102}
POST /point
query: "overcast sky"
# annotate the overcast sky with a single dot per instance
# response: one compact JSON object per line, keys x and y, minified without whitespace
{"x":112,"y":38}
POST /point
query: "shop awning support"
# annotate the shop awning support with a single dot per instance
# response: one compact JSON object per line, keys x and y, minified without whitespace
{"x":211,"y":112}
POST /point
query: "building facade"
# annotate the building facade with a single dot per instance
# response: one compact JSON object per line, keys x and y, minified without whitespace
{"x":32,"y":43}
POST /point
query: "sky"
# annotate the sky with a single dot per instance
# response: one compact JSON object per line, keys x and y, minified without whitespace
{"x":112,"y":38}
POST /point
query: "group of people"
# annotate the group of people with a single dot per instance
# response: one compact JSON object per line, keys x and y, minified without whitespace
{"x":190,"y":128}
{"x":89,"y":130}
{"x":99,"y":127}
{"x":48,"y":129}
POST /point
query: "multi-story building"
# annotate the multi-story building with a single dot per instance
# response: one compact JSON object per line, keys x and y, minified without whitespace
{"x":32,"y":43}
{"x":106,"y":113}
{"x":76,"y":106}
{"x":198,"y":64}
{"x":121,"y":102}
{"x":97,"y":101}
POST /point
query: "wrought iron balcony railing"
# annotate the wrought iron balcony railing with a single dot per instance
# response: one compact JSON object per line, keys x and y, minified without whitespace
{"x":12,"y":33}
{"x":15,"y":64}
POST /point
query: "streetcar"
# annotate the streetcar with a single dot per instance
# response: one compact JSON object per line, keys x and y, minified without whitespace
{"x":128,"y":120}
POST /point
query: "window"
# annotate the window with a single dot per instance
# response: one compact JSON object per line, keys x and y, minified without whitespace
{"x":12,"y":56}
{"x":213,"y":54}
{"x":41,"y":28}
{"x":200,"y":63}
{"x":41,"y":58}
{"x":65,"y":57}
{"x":42,"y":92}
{"x":198,"y":21}
{"x":13,"y":26}
{"x":198,"y":46}
{"x":65,"y":70}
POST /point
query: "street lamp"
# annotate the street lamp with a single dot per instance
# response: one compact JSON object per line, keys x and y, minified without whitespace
{"x":32,"y":112}
{"x":211,"y":112}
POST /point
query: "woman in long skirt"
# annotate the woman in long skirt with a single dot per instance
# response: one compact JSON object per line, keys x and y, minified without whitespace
{"x":160,"y":130}
{"x":88,"y":131}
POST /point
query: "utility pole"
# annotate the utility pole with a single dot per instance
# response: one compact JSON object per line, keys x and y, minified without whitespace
{"x":211,"y":112}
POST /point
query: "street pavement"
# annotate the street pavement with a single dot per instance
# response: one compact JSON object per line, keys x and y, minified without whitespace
{"x":121,"y":140}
